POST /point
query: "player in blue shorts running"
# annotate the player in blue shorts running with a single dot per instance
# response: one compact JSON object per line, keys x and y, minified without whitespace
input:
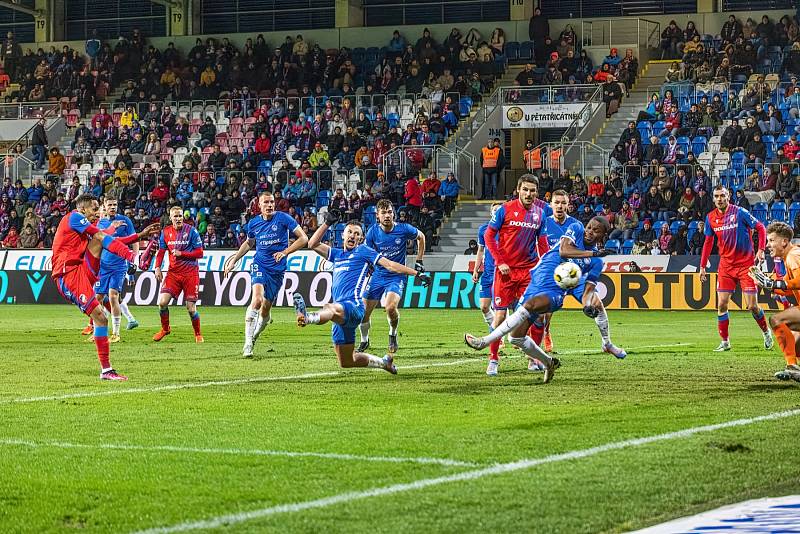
{"x":269,"y":234}
{"x":578,"y":245}
{"x":114,"y":270}
{"x":352,"y":266}
{"x":483,"y":272}
{"x":389,"y":239}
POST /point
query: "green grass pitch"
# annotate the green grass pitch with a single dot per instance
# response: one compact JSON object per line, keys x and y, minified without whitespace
{"x":79,"y":454}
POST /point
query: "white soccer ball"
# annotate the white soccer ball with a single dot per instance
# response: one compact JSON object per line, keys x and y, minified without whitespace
{"x":567,"y":275}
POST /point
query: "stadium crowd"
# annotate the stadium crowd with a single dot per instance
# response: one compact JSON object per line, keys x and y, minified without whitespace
{"x":727,"y":113}
{"x":319,"y":129}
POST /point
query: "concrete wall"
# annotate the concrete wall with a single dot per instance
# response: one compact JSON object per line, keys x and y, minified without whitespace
{"x":11,"y":130}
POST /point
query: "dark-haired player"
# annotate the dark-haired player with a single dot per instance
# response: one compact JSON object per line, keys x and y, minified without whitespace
{"x":77,"y":247}
{"x":353,"y":265}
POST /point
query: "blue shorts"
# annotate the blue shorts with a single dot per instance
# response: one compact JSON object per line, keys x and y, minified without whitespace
{"x":272,"y":281}
{"x":345,"y":334}
{"x":110,"y":278}
{"x":487,"y":284}
{"x":543,"y":283}
{"x":382,"y":284}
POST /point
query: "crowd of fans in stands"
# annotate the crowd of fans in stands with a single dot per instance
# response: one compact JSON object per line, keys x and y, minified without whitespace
{"x":220,"y":174}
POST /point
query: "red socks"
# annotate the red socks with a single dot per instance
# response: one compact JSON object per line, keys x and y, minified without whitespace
{"x":761,"y":319}
{"x":494,"y":350}
{"x":116,"y":247}
{"x":195,"y":322}
{"x":536,"y":332}
{"x":164,"y":313}
{"x":101,"y":341}
{"x":722,"y":326}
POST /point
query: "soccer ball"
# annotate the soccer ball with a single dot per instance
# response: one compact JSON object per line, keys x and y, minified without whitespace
{"x":567,"y":275}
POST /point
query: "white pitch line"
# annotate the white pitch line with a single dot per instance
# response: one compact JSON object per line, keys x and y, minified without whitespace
{"x":237,"y":452}
{"x":345,"y":498}
{"x":262,"y":379}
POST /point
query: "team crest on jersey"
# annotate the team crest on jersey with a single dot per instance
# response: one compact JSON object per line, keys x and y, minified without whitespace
{"x":498,"y":300}
{"x":82,"y":298}
{"x":398,"y":241}
{"x":274,"y":227}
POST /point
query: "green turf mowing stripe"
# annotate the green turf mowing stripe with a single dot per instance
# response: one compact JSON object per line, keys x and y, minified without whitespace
{"x":498,"y":469}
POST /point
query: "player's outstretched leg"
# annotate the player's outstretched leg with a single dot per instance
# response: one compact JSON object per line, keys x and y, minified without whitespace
{"x":783,"y":323}
{"x":522,"y":315}
{"x":533,"y":351}
{"x":350,"y":359}
{"x":536,"y":333}
{"x":601,"y":320}
{"x":262,"y":322}
{"x":366,"y":323}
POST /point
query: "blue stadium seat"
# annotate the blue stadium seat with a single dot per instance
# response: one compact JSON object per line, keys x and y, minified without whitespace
{"x":779,"y":212}
{"x":760,"y":211}
{"x":512,"y":50}
{"x":613,"y":244}
{"x":794,"y":209}
{"x":526,"y":51}
{"x":627,"y":246}
{"x":369,"y":216}
{"x":699,"y":144}
{"x":675,"y":226}
{"x":323,"y":198}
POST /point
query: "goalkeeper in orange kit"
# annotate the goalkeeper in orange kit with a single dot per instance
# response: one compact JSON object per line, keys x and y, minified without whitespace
{"x":785,"y":324}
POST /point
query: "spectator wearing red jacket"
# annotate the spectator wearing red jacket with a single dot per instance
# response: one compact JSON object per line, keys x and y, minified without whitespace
{"x":102,"y":119}
{"x":161,"y":192}
{"x":413,"y":197}
{"x":262,"y":146}
{"x":791,"y":149}
{"x":431,"y":183}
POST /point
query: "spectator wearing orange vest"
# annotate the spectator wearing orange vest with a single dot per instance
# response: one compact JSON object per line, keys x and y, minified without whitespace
{"x":492,"y":164}
{"x":532,"y":157}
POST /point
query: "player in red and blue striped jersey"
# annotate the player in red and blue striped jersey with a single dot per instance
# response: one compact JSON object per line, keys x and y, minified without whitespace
{"x":77,"y":247}
{"x":512,"y":238}
{"x":732,"y":227}
{"x":185,"y":249}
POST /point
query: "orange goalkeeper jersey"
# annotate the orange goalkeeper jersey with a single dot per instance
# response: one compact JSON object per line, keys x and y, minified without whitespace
{"x":791,"y":264}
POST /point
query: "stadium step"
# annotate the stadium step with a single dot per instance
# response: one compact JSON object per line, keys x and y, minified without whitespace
{"x":462,"y":225}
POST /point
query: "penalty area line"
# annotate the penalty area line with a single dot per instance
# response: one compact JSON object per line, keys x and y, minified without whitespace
{"x":497,"y":469}
{"x":447,"y":462}
{"x":265,"y":379}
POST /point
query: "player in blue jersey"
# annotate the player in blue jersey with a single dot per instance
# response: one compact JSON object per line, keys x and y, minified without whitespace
{"x":483,"y":272}
{"x":543,"y":295}
{"x":388,"y":238}
{"x":114,"y":270}
{"x":269,"y":234}
{"x":352,"y":266}
{"x":554,"y":228}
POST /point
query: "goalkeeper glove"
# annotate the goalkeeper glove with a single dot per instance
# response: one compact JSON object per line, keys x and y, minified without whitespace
{"x":765,"y":281}
{"x":424,"y":278}
{"x":131,"y":269}
{"x":419,"y":267}
{"x":332,"y":217}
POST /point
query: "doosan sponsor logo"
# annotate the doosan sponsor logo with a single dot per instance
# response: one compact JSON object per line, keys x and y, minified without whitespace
{"x":523,"y":224}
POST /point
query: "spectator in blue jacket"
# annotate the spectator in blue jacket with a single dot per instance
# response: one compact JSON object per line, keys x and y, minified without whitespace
{"x":448,"y":191}
{"x":93,"y":48}
{"x":346,"y":159}
{"x":397,"y":44}
{"x":612,"y":59}
{"x":308,"y":192}
{"x":35,"y":192}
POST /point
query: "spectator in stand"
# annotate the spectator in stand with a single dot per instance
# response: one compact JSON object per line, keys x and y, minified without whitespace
{"x":39,"y":143}
{"x":625,"y":222}
{"x":670,"y":38}
{"x":645,"y":239}
{"x":448,"y":192}
{"x":492,"y":164}
{"x":413,"y":198}
{"x":56,"y":163}
{"x":538,"y":29}
{"x":612,"y":95}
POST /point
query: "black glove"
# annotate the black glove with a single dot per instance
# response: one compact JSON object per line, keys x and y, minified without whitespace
{"x":424,"y":278}
{"x":591,"y":311}
{"x":332,"y":217}
{"x":603,"y":252}
{"x":419,"y":267}
{"x":132,"y":269}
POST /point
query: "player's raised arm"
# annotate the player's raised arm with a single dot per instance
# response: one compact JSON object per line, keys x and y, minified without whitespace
{"x":315,"y":243}
{"x":301,"y":240}
{"x":399,"y":268}
{"x":421,"y":244}
{"x":231,"y":262}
